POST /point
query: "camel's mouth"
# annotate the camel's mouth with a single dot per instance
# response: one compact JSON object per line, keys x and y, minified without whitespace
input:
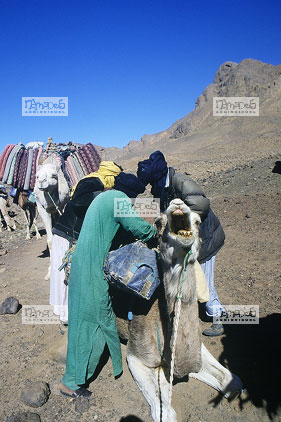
{"x":180,"y":225}
{"x":43,"y":187}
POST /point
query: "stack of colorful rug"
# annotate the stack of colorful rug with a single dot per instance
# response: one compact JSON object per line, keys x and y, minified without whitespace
{"x":18,"y":164}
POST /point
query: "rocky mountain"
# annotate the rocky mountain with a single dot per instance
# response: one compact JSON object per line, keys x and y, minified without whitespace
{"x":224,"y":141}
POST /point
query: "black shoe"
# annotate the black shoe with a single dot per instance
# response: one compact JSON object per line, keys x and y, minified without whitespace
{"x":74,"y":394}
{"x":214,"y":330}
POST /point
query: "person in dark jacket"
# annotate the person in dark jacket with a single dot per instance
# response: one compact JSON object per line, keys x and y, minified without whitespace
{"x":167,"y":185}
{"x":67,"y":229}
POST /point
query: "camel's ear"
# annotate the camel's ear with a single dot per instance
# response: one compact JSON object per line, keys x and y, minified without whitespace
{"x":160,"y":224}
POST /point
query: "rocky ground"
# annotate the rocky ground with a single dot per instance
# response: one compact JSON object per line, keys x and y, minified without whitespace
{"x":247,"y":199}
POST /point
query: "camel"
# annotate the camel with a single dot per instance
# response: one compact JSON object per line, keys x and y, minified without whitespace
{"x":30,"y":213}
{"x":52,"y":193}
{"x":165,"y":329}
{"x":4,"y":203}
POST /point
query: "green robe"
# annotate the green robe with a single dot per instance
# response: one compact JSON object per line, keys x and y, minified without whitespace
{"x":91,"y":323}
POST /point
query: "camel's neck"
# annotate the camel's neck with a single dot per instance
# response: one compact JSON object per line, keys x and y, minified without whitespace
{"x":188,"y":343}
{"x":52,"y":200}
{"x":180,"y":281}
{"x":178,"y":277}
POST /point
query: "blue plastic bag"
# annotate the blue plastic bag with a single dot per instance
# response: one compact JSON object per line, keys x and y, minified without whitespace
{"x":13,"y":192}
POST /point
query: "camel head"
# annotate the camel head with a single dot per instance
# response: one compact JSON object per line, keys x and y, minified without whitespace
{"x":47,"y":177}
{"x":178,"y":230}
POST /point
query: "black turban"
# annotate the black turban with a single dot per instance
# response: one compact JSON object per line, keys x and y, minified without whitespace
{"x":129,"y":184}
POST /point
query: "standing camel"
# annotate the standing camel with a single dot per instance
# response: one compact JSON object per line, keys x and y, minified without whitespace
{"x":166,"y":330}
{"x":52,"y":193}
{"x":4,"y":203}
{"x":30,"y":213}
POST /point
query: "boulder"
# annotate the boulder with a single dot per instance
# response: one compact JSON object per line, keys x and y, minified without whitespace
{"x":24,"y":417}
{"x":35,"y":393}
{"x":9,"y":306}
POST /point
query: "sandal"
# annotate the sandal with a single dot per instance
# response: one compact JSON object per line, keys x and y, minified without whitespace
{"x":74,"y":394}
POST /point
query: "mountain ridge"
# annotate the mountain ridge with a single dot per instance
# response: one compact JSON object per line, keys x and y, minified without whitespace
{"x":202,"y":136}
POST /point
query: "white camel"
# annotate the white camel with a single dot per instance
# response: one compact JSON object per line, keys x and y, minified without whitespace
{"x":168,"y":329}
{"x":4,"y":203}
{"x":52,"y":193}
{"x":30,"y":213}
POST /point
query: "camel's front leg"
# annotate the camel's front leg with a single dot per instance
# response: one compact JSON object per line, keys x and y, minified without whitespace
{"x":217,"y":376}
{"x":33,"y":218}
{"x":155,"y":388}
{"x":27,"y":222}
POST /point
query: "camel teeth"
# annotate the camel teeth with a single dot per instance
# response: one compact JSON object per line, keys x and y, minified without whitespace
{"x":185,"y":233}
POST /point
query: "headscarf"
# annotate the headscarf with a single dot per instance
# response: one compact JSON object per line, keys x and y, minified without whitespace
{"x":154,"y":171}
{"x":129,"y":184}
{"x":107,"y":172}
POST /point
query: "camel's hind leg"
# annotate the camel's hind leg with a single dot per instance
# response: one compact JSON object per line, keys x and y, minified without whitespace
{"x":155,"y":388}
{"x":217,"y":376}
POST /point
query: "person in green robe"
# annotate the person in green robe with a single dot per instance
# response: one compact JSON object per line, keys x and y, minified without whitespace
{"x":92,"y":322}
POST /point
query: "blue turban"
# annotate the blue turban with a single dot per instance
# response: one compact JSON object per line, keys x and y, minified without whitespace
{"x":129,"y":184}
{"x":154,"y":171}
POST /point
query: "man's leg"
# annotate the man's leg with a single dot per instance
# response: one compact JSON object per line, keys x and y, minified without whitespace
{"x":209,"y":269}
{"x":69,"y":387}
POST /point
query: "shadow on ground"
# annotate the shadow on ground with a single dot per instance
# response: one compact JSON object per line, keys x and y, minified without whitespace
{"x":253,"y":352}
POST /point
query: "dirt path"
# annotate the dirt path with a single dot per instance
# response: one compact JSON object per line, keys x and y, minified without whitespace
{"x":247,"y":272}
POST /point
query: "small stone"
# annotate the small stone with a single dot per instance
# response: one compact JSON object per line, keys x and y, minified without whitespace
{"x":24,"y":417}
{"x":40,"y":332}
{"x":82,"y":404}
{"x":3,"y":252}
{"x":35,"y":393}
{"x":9,"y":306}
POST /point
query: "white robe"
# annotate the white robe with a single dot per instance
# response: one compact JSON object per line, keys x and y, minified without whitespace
{"x":58,"y":290}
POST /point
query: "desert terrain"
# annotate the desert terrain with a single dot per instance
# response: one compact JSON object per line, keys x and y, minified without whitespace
{"x":247,"y":200}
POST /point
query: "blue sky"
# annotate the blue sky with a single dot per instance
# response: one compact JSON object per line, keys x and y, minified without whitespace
{"x":128,"y":67}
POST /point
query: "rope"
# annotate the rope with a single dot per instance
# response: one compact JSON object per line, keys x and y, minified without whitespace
{"x":57,"y":208}
{"x":175,"y":331}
